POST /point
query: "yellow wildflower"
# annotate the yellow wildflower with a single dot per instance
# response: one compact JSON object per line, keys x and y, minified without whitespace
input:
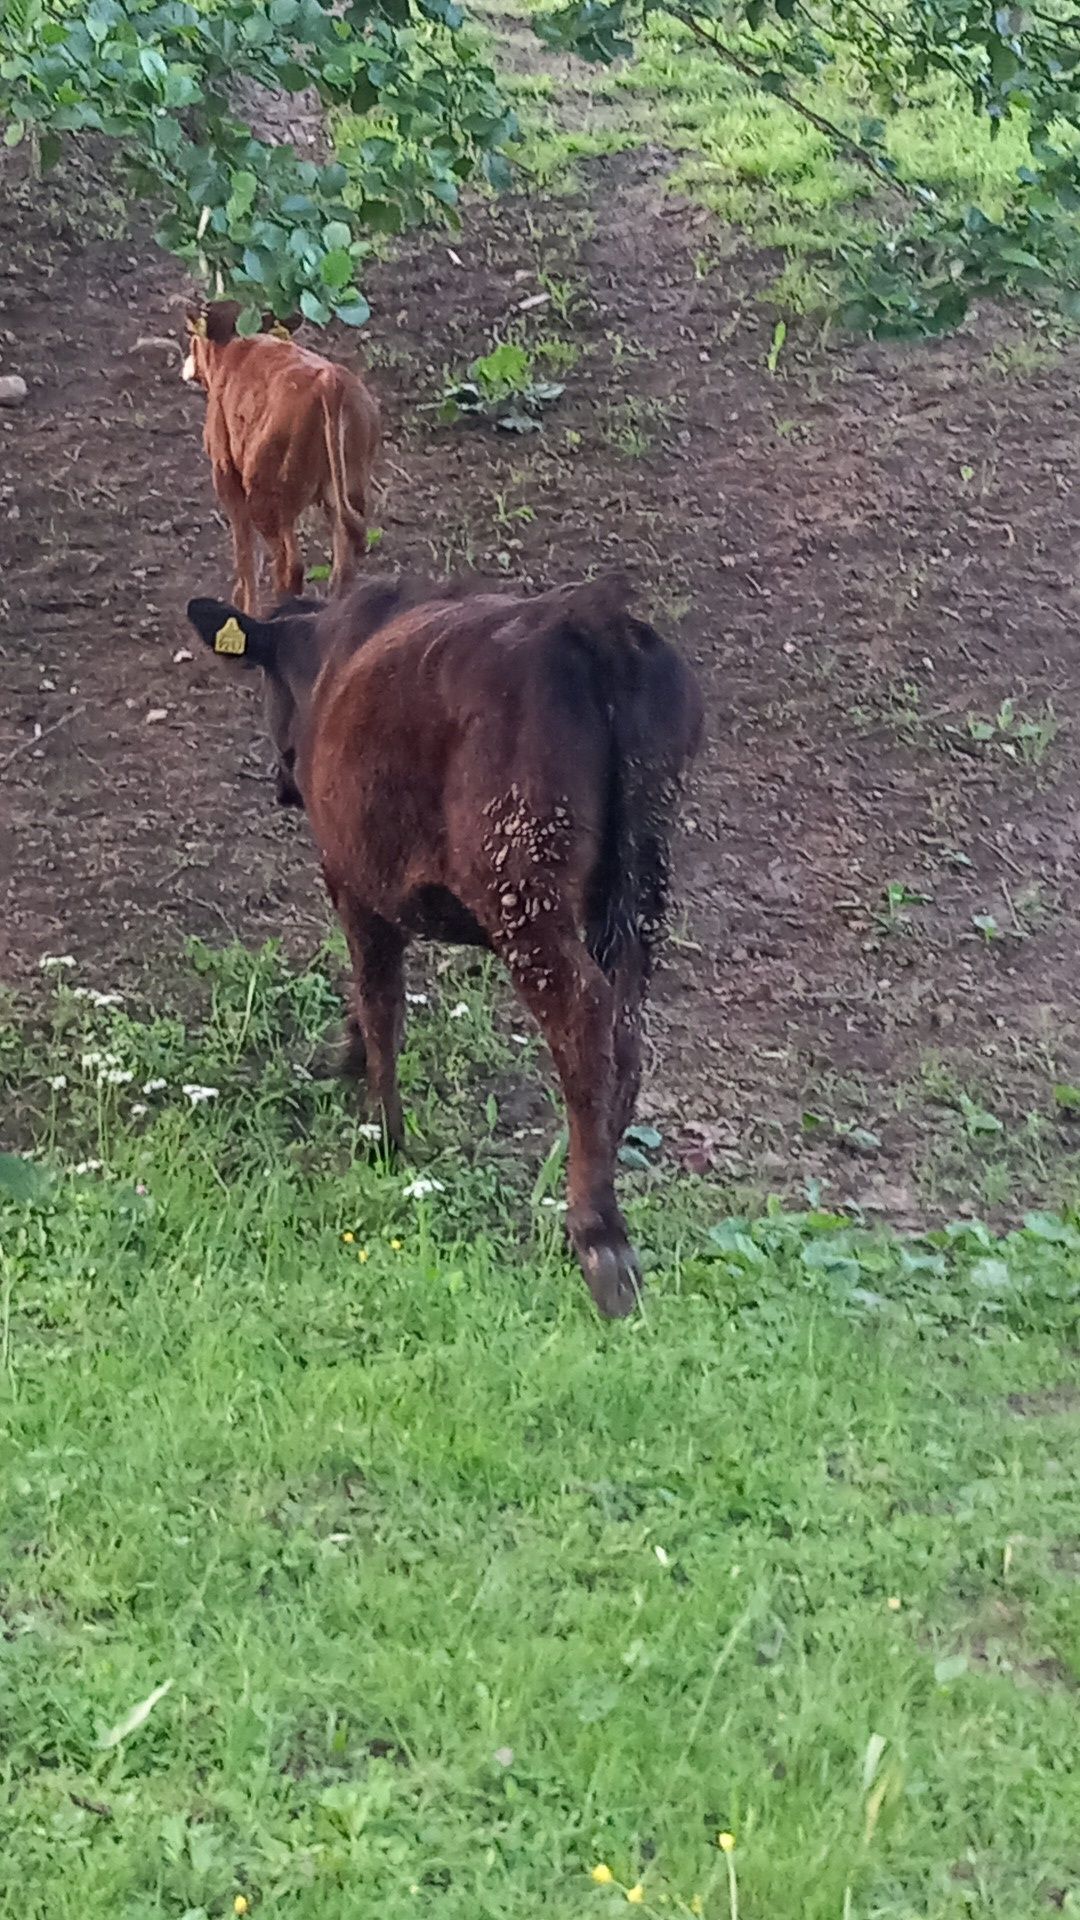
{"x":602,"y":1874}
{"x":697,"y":1906}
{"x":726,"y":1842}
{"x":636,"y":1895}
{"x":893,"y":1603}
{"x":240,"y":1905}
{"x":362,"y":1255}
{"x":396,"y":1246}
{"x":348,"y":1239}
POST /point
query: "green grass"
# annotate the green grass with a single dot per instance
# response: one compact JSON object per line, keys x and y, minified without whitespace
{"x":745,"y":154}
{"x":460,"y":1592}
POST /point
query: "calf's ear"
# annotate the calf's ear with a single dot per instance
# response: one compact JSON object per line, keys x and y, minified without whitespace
{"x":235,"y":636}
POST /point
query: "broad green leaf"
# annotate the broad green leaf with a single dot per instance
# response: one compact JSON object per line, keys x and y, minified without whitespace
{"x":20,"y":1179}
{"x":382,"y":216}
{"x":1020,"y":257}
{"x":352,"y":311}
{"x":313,"y":308}
{"x":336,"y":269}
{"x":154,"y":66}
{"x":258,"y":30}
{"x":258,"y":265}
{"x":991,"y":1273}
{"x":499,"y":172}
{"x":242,"y":197}
{"x":1055,"y":1232}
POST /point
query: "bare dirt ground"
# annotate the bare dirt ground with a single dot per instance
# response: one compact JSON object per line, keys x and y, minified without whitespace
{"x":867,"y":553}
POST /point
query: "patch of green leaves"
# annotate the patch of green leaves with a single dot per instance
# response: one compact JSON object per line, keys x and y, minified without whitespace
{"x":254,"y":219}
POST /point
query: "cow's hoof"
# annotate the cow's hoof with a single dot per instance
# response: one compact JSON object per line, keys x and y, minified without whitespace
{"x":613,"y":1277}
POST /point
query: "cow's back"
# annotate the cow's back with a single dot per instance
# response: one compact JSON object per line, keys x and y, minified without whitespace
{"x":452,"y":718}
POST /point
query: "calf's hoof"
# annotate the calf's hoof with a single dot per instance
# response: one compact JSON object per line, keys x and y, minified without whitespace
{"x":612,"y":1274}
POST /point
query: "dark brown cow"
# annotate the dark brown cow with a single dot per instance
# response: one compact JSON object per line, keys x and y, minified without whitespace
{"x":285,"y":430}
{"x":500,"y":772}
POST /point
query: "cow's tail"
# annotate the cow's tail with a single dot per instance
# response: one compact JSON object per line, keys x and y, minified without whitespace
{"x":349,"y":515}
{"x":652,"y":708}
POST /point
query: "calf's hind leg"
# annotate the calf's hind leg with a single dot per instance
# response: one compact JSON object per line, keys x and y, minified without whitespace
{"x":230,"y":491}
{"x":574,"y":1005}
{"x":286,"y":565}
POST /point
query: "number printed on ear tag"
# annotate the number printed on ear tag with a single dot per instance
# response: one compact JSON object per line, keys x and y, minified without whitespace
{"x":230,"y":638}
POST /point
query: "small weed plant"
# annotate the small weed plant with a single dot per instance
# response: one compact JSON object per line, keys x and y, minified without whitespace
{"x":501,"y":390}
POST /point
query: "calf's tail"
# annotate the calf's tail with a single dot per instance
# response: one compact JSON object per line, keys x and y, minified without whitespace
{"x":349,"y":517}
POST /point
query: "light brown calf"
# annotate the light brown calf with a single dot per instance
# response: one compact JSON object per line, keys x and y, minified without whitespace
{"x":285,"y":430}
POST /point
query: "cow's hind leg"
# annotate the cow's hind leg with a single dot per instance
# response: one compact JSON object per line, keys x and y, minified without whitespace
{"x":377,"y":1021}
{"x":575,"y":1004}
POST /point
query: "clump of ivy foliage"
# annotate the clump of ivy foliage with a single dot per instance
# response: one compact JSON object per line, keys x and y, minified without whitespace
{"x":168,"y":81}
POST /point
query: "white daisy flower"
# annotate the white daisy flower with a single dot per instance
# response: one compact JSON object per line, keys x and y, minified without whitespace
{"x":99,"y":1063}
{"x":198,"y":1096}
{"x":420,"y":1189}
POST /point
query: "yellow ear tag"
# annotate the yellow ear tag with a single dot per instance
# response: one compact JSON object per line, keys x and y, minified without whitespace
{"x":230,"y":638}
{"x":280,"y":333}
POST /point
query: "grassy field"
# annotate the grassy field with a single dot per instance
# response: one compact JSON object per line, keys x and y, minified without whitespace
{"x":769,"y":175}
{"x":459,"y":1596}
{"x":744,"y":153}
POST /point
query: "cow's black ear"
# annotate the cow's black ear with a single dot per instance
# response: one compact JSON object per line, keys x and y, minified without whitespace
{"x":234,"y":635}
